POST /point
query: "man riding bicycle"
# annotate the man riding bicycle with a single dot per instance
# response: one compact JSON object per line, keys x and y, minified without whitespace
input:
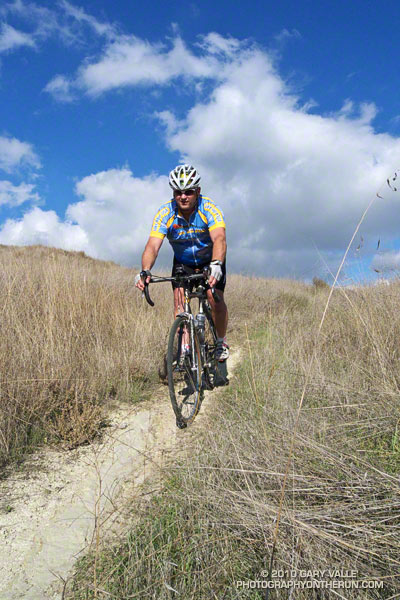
{"x":195,"y":228}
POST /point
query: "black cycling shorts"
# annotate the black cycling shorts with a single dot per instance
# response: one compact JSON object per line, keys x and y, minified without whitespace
{"x":190,"y":270}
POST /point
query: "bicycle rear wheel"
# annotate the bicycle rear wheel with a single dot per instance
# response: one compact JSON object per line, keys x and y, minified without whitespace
{"x":184,"y":372}
{"x":215,"y":372}
{"x":210,"y":345}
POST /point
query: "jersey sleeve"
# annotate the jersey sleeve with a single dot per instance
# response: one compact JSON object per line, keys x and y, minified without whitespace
{"x":159,"y":227}
{"x":213,"y":214}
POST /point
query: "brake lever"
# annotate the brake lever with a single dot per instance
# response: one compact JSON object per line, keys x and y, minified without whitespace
{"x":217,"y":299}
{"x":215,"y":295}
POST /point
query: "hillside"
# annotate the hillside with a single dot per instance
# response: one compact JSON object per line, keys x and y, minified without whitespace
{"x":321,"y":406}
{"x":75,"y":335}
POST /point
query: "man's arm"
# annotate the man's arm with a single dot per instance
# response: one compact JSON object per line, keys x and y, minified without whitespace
{"x":150,"y":252}
{"x":218,"y":238}
{"x":149,"y":256}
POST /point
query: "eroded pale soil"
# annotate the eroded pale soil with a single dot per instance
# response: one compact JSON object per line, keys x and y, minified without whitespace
{"x":53,"y":509}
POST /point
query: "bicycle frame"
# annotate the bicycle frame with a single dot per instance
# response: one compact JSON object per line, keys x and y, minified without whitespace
{"x":200,"y":335}
{"x":200,"y":293}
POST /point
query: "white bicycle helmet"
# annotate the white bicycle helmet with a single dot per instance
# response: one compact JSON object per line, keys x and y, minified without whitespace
{"x":184,"y":177}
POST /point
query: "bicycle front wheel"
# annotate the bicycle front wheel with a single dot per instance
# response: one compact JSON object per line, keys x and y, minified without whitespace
{"x":184,"y":371}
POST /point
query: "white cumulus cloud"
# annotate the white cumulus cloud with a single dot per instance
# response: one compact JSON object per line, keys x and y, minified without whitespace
{"x":292,"y":183}
{"x":111,"y":220}
{"x":116,"y":211}
{"x":14,"y":153}
{"x":15,"y":195}
{"x":132,"y":61}
{"x":44,"y":227}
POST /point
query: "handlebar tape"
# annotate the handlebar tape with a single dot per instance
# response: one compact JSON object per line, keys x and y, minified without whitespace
{"x":147,"y":295}
{"x":144,"y":275}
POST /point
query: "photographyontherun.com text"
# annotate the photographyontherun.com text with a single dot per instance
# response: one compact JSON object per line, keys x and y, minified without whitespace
{"x":309,"y":579}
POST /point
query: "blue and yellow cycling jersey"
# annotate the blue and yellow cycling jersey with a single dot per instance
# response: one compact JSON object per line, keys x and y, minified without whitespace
{"x":190,"y":240}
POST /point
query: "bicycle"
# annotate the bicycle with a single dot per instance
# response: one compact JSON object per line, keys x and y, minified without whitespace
{"x":192,"y":366}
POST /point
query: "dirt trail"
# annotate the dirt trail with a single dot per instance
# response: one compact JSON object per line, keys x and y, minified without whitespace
{"x":50,"y":512}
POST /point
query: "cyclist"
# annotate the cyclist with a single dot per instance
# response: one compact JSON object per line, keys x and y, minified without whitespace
{"x":195,"y":228}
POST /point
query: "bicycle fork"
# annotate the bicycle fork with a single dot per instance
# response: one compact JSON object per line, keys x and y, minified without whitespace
{"x":184,"y":339}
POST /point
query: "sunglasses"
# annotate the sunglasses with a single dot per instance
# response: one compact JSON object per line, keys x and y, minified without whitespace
{"x":186,"y":192}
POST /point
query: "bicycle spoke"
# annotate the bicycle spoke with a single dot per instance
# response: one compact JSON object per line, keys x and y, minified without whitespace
{"x":184,"y":372}
{"x":210,"y":340}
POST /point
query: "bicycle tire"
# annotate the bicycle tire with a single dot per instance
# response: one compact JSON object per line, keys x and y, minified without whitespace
{"x":210,"y":343}
{"x":184,"y":373}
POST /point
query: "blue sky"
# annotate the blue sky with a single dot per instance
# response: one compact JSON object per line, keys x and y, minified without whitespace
{"x":289,"y":110}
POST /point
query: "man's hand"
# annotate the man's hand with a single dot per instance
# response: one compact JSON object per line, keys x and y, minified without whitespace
{"x":215,"y":274}
{"x":139,"y":279}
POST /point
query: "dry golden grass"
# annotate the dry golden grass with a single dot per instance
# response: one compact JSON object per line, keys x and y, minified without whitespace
{"x":75,"y":333}
{"x":341,"y":506}
{"x":214,"y":523}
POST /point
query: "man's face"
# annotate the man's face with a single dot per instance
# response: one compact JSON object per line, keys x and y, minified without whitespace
{"x":186,"y":200}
